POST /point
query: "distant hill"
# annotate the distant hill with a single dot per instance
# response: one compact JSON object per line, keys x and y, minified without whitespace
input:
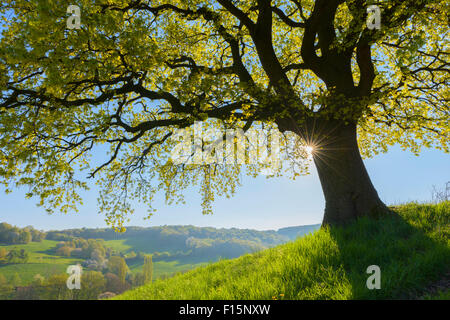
{"x":197,"y":243}
{"x":293,"y":233}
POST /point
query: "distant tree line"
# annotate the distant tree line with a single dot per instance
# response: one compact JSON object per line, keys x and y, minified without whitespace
{"x":172,"y":237}
{"x":13,"y":235}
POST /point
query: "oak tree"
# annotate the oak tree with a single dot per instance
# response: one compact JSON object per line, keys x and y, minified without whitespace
{"x":136,"y":71}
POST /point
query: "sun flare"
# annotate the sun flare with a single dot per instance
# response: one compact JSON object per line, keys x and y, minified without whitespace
{"x":309,"y":151}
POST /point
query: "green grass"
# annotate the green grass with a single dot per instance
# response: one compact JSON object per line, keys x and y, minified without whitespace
{"x":441,"y":295}
{"x":411,"y":248}
{"x":139,"y":244}
{"x":41,"y":261}
{"x":119,"y":245}
{"x":166,"y":268}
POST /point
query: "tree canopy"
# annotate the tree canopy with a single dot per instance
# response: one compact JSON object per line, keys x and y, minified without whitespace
{"x":138,"y":70}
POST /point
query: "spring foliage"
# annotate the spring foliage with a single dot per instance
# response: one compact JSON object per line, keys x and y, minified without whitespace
{"x":138,"y":70}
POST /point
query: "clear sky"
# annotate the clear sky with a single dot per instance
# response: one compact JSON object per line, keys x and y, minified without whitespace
{"x":260,"y":203}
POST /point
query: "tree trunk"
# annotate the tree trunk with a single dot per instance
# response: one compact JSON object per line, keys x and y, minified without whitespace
{"x":347,"y":188}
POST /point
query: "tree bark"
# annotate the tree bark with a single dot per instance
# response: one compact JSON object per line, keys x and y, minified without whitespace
{"x":348,"y":190}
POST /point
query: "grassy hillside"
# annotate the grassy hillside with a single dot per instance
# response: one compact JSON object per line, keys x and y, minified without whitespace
{"x":412,"y":248}
{"x":166,"y":268}
{"x":210,"y":243}
{"x":42,"y":261}
{"x":174,"y":248}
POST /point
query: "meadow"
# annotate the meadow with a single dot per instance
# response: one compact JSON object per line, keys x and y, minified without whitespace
{"x":42,"y":261}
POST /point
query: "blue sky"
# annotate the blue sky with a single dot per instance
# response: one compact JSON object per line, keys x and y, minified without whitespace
{"x":260,"y":203}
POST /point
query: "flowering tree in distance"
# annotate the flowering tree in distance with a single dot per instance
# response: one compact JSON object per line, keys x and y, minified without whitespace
{"x":134,"y":71}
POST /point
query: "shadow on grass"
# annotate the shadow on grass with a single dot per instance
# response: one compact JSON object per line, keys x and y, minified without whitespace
{"x":49,"y":251}
{"x":411,"y":248}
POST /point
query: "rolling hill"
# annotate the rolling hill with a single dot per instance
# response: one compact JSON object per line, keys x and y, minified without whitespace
{"x":411,"y":247}
{"x":174,"y":248}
